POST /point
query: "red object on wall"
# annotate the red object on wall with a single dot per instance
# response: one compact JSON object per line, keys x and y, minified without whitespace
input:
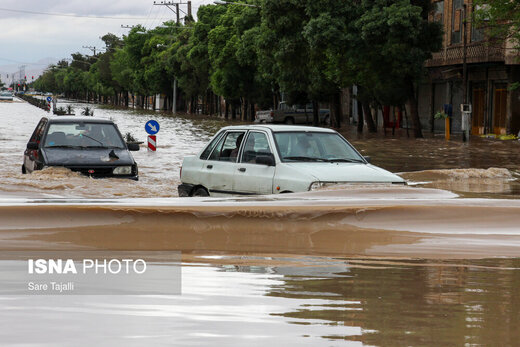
{"x":391,"y":121}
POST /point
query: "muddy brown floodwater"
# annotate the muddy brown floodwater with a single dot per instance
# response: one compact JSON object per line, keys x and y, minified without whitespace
{"x":436,"y":263}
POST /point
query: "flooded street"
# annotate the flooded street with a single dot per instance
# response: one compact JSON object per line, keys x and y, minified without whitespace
{"x":159,"y":172}
{"x":417,"y":160}
{"x":436,"y":263}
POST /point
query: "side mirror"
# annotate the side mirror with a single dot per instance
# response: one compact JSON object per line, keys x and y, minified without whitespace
{"x":32,"y":145}
{"x":368,"y":159}
{"x":133,"y":146}
{"x":265,"y":160}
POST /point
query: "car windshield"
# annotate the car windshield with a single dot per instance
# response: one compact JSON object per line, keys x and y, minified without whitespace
{"x":84,"y":135}
{"x":315,"y":146}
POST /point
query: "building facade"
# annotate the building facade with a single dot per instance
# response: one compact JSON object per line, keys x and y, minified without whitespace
{"x":492,"y":68}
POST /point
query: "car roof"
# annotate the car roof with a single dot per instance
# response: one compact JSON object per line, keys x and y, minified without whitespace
{"x":76,"y":119}
{"x":278,"y":128}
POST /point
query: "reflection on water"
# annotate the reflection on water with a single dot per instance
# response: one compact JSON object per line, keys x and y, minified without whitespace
{"x":415,"y":302}
{"x":288,"y":301}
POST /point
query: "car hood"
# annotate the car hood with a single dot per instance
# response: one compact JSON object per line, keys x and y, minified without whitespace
{"x":86,"y":156}
{"x":346,"y":172}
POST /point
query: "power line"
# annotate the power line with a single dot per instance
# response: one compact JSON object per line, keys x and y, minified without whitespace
{"x":70,"y":14}
{"x":20,"y":62}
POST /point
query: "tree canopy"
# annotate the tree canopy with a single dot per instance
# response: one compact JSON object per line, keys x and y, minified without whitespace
{"x":305,"y":51}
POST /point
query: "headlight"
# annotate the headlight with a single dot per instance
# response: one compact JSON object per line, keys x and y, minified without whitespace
{"x":315,"y":185}
{"x":122,"y":170}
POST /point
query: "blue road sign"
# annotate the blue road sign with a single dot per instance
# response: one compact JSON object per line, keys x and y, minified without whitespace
{"x":152,"y":127}
{"x":49,"y":99}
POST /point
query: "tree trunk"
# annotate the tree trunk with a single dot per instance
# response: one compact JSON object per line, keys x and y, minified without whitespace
{"x":361,"y":121}
{"x":370,"y":119}
{"x":252,"y":112}
{"x":226,"y":115}
{"x":414,"y":111}
{"x":315,"y":113}
{"x":335,"y":110}
{"x":244,"y":109}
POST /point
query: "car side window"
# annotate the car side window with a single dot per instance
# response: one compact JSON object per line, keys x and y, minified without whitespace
{"x":256,"y":145}
{"x":210,"y":147}
{"x":38,"y":132}
{"x":228,"y":147}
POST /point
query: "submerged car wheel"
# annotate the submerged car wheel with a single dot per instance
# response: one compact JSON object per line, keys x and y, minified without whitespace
{"x":289,"y":120}
{"x":23,"y":170}
{"x":200,"y":191}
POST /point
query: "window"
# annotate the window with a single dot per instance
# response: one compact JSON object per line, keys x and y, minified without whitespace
{"x":228,"y":147}
{"x":210,"y":147}
{"x":314,"y":146}
{"x":438,"y":14}
{"x":37,"y":134}
{"x":456,"y":22}
{"x":83,"y":135}
{"x":477,"y":34}
{"x":256,"y":145}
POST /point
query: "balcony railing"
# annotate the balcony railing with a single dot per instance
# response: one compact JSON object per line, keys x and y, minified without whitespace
{"x":479,"y":52}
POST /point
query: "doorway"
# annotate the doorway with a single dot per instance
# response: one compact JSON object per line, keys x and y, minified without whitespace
{"x":478,"y":121}
{"x":500,"y":111}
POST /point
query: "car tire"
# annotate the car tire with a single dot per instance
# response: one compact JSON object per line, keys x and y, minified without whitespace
{"x":289,"y":120}
{"x":24,"y":171}
{"x":200,"y":191}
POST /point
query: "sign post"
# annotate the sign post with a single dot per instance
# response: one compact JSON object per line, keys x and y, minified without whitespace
{"x":49,"y":99}
{"x":152,"y":127}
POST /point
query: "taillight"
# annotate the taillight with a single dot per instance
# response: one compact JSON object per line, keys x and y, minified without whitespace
{"x":272,"y":113}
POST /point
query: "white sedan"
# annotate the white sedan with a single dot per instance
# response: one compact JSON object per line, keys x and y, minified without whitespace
{"x":272,"y":159}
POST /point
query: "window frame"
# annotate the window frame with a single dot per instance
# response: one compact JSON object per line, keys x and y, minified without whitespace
{"x":246,"y":137}
{"x":313,"y":132}
{"x":216,"y":140}
{"x":223,"y":139}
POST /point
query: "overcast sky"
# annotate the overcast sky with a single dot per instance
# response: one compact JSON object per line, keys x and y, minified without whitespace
{"x":27,"y":38}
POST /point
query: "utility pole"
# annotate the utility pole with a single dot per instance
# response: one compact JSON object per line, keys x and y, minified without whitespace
{"x":177,"y":11}
{"x":21,"y":72}
{"x":465,"y":115}
{"x":92,"y":48}
{"x":175,"y":7}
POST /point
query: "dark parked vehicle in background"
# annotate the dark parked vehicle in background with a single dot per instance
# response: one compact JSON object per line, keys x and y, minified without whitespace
{"x":93,"y":147}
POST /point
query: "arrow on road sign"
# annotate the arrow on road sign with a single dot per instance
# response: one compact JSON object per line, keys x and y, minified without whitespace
{"x":152,"y":127}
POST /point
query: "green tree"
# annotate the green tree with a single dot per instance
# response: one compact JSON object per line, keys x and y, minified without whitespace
{"x":379,"y":45}
{"x":500,"y":19}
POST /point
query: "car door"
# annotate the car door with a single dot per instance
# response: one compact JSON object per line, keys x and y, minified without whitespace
{"x":251,"y":177}
{"x":217,"y":172}
{"x":32,"y":159}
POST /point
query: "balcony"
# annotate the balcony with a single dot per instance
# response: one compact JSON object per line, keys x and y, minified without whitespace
{"x":477,"y":52}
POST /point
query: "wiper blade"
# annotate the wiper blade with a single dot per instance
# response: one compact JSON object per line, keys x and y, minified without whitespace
{"x":345,"y":160}
{"x":92,"y":138}
{"x":63,"y":146}
{"x":305,"y":158}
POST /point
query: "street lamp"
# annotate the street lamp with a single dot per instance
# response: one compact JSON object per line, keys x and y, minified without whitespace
{"x":219,"y":2}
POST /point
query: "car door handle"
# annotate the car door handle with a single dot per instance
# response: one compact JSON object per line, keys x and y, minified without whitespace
{"x":242,"y":169}
{"x":210,"y":166}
